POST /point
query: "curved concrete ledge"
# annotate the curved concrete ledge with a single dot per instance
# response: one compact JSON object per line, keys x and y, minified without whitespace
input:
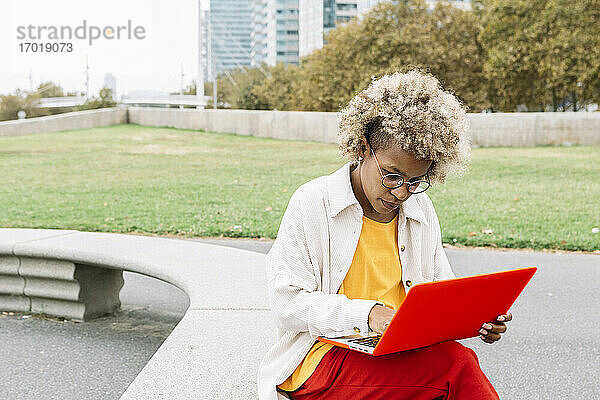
{"x":213,"y":352}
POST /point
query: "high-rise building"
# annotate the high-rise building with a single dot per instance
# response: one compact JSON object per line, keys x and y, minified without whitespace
{"x":230,"y":28}
{"x":258,"y":37}
{"x":282,"y":32}
{"x":275,"y":30}
{"x":317,"y":17}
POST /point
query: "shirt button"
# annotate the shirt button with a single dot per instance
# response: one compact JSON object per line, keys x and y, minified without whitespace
{"x":402,"y":248}
{"x":408,"y":283}
{"x":356,"y":329}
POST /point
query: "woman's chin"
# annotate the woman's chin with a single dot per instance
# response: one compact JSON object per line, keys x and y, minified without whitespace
{"x":386,"y":208}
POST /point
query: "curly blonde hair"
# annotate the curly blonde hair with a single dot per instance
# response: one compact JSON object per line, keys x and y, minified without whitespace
{"x":410,"y":110}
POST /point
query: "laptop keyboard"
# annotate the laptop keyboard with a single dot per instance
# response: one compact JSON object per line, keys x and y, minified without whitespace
{"x":370,"y":341}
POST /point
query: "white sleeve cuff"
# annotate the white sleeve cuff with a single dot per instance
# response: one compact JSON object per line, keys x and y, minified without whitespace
{"x":361,"y":325}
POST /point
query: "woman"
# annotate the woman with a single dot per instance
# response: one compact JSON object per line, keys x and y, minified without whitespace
{"x":351,"y":244}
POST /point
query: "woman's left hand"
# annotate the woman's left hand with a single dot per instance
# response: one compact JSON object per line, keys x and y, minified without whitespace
{"x":490,"y":331}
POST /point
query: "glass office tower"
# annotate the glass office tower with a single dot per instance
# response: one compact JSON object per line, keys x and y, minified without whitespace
{"x":317,"y":17}
{"x":230,"y":26}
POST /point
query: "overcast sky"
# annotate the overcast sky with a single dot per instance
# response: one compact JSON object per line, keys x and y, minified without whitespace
{"x":152,"y":63}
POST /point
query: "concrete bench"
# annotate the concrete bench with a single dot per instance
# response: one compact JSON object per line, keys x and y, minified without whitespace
{"x":214,"y":351}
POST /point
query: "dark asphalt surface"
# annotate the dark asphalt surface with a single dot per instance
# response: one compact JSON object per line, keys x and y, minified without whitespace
{"x":551,"y":351}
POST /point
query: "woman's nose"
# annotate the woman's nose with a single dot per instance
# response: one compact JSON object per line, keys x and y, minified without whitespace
{"x":401,"y":193}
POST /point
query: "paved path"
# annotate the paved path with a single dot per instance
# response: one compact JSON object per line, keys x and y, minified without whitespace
{"x":551,"y":350}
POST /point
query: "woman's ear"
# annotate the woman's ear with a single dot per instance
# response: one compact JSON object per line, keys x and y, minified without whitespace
{"x":362,"y":148}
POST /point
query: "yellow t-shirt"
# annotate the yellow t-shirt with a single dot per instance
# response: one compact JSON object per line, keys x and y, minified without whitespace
{"x":375,"y":274}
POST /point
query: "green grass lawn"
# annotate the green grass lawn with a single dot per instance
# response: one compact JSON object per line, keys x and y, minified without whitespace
{"x":130,"y":178}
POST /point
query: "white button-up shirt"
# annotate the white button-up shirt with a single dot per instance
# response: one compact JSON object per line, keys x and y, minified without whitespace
{"x":310,"y":257}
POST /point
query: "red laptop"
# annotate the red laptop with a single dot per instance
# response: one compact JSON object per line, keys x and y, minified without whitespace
{"x":434,"y":312}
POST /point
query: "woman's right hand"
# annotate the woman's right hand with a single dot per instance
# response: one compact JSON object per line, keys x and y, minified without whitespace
{"x":380,"y":317}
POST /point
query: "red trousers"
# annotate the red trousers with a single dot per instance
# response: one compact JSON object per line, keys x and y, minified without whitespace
{"x":447,"y":370}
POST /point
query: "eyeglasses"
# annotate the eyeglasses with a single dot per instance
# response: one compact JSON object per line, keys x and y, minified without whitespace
{"x":393,"y":181}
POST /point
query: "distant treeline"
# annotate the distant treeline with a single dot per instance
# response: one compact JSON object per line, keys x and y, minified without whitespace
{"x":518,"y":55}
{"x":28,"y":102}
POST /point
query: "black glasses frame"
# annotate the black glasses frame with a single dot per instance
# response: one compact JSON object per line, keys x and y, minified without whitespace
{"x":409,"y":184}
{"x":401,"y":178}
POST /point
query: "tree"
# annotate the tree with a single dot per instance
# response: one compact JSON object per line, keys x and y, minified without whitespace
{"x":236,"y":89}
{"x":49,"y":89}
{"x":456,"y":56}
{"x":331,"y":75}
{"x":278,"y":90}
{"x":503,"y":55}
{"x":542,"y":53}
{"x":395,"y":37}
{"x":573,"y":51}
{"x":11,"y":104}
{"x":104,"y":100}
